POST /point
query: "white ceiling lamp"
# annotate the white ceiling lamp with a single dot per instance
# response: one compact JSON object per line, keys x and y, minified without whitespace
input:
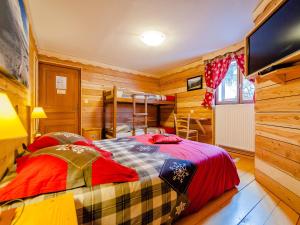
{"x":153,"y":38}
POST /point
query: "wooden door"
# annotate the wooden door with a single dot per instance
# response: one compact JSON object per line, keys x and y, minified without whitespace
{"x":59,"y":95}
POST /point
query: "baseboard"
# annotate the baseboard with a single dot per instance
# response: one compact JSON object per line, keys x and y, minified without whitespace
{"x":238,"y":151}
{"x":288,"y":197}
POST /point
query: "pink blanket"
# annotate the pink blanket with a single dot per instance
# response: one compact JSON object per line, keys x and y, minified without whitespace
{"x":216,"y":171}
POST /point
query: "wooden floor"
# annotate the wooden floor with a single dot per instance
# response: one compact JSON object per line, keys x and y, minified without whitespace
{"x":249,"y":204}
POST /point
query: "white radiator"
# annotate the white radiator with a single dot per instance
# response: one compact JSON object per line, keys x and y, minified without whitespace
{"x":235,"y":126}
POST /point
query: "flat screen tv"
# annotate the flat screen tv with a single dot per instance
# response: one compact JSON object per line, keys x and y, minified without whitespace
{"x":276,"y":38}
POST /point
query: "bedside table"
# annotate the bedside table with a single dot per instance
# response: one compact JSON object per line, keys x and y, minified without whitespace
{"x":53,"y":211}
{"x":92,"y":133}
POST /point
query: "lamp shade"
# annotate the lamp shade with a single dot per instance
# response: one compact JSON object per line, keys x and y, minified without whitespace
{"x":10,"y":124}
{"x":38,"y":113}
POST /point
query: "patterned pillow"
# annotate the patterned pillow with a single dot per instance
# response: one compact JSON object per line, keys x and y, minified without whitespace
{"x":79,"y":156}
{"x":62,"y":138}
{"x":56,"y":138}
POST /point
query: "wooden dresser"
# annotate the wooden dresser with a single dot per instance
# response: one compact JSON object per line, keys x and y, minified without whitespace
{"x":92,"y":133}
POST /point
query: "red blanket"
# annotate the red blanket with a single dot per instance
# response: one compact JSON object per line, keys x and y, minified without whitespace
{"x":44,"y":173}
{"x":216,"y":171}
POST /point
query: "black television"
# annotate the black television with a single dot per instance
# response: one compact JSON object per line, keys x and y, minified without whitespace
{"x":274,"y":39}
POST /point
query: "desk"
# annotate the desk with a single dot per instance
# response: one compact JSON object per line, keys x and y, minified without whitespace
{"x":54,"y":211}
{"x":198,"y":120}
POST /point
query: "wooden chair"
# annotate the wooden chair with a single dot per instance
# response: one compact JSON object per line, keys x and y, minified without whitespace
{"x":182,"y":125}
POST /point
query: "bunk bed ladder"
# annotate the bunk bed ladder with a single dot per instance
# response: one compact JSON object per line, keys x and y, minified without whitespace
{"x":135,"y":114}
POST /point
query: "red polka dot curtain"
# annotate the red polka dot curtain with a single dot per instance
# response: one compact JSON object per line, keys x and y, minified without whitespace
{"x":215,"y":72}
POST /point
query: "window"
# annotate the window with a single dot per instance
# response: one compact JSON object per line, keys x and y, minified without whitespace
{"x":235,"y":88}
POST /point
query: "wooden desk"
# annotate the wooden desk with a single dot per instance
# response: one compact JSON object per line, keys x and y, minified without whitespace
{"x":54,"y":211}
{"x":198,"y":121}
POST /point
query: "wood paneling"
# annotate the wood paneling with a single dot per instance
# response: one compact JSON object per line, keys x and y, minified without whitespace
{"x":282,"y":149}
{"x":290,"y":120}
{"x":278,"y":128}
{"x":285,"y":104}
{"x":279,"y":190}
{"x":96,"y":79}
{"x":187,"y":101}
{"x":22,"y":99}
{"x":290,"y":88}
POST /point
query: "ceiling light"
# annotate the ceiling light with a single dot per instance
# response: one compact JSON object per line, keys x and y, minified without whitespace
{"x":153,"y":38}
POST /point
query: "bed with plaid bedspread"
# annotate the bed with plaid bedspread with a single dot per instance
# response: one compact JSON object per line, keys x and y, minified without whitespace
{"x":151,"y":200}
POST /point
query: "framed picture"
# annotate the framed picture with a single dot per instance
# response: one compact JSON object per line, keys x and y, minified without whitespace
{"x":14,"y":41}
{"x":194,"y":83}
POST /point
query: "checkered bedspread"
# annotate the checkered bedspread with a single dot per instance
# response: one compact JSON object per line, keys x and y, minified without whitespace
{"x":147,"y":201}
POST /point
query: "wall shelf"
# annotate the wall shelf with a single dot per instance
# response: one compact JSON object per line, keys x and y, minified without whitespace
{"x":279,"y":75}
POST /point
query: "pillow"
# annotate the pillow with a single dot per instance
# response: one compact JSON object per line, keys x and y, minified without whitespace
{"x":63,"y":167}
{"x":169,"y":130}
{"x":122,"y":128}
{"x":60,"y":138}
{"x":165,"y":139}
{"x":56,"y":138}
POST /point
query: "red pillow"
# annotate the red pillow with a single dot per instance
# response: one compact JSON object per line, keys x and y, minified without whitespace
{"x":170,"y":98}
{"x":169,"y":130}
{"x":165,"y":139}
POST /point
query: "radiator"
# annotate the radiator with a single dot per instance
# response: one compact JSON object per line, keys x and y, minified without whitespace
{"x":235,"y":126}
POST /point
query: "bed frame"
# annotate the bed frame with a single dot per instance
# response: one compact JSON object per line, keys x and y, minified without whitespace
{"x":131,"y":111}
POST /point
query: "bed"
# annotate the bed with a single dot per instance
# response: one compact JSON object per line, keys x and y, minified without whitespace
{"x":119,"y":108}
{"x":174,"y":180}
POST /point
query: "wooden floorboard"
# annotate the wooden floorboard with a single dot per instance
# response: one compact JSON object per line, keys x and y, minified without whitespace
{"x":248,"y":204}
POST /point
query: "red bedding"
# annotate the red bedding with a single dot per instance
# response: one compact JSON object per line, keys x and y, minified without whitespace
{"x":42,"y":174}
{"x":216,"y":171}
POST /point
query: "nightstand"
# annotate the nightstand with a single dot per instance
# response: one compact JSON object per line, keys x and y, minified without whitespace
{"x":92,"y":133}
{"x":54,"y":211}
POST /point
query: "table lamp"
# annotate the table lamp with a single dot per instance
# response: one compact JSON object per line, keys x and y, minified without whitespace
{"x":38,"y":113}
{"x":11,"y":126}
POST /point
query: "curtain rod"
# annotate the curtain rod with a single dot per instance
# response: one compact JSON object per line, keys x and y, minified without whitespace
{"x":227,"y":53}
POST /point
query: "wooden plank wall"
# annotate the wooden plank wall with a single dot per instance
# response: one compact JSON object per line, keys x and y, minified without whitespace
{"x":96,"y":79}
{"x":278,"y":133}
{"x":175,"y":83}
{"x":21,"y":98}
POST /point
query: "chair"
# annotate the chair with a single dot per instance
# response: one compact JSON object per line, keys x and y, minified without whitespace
{"x":182,"y":125}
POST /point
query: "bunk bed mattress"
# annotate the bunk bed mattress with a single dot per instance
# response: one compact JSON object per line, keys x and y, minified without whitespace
{"x":153,"y":200}
{"x":150,"y":130}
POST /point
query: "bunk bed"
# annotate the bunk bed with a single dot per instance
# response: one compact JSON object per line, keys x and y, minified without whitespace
{"x":129,"y":113}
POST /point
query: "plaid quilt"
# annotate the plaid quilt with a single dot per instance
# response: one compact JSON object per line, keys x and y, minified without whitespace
{"x":151,"y":200}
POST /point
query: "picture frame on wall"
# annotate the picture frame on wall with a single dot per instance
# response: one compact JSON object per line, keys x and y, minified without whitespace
{"x":194,"y":83}
{"x":14,"y":41}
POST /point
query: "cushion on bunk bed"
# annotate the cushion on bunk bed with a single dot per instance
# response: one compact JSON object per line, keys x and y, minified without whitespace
{"x":165,"y":139}
{"x":170,"y":98}
{"x":63,"y":167}
{"x":122,"y":128}
{"x":60,"y":138}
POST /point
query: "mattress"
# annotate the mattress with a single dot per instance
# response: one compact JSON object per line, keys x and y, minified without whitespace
{"x":159,"y":197}
{"x":141,"y":95}
{"x":150,"y":130}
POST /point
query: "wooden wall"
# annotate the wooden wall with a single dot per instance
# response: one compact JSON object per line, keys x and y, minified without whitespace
{"x":278,"y":132}
{"x":22,"y":99}
{"x":96,"y":79}
{"x":175,"y":83}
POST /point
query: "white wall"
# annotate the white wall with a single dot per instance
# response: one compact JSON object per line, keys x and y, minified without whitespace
{"x":235,"y":126}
